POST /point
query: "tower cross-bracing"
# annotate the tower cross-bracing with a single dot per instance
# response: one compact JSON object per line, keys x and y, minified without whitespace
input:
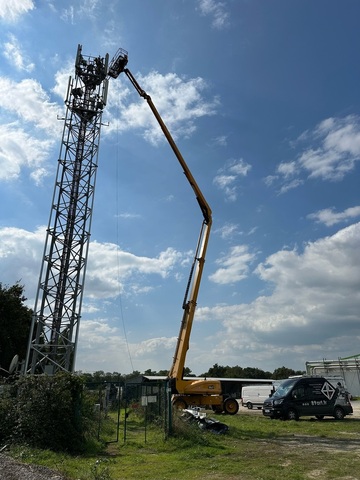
{"x":56,"y":318}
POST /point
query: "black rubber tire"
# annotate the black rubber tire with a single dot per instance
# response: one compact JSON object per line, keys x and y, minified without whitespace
{"x":180,"y":403}
{"x":339,"y":413}
{"x":249,"y":405}
{"x":231,"y":406}
{"x":217,"y":409}
{"x":292,"y":414}
{"x":319,"y":417}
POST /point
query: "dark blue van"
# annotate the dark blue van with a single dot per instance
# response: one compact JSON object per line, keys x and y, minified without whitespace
{"x":307,"y":396}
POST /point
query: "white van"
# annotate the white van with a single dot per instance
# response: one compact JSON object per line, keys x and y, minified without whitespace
{"x":255,"y":395}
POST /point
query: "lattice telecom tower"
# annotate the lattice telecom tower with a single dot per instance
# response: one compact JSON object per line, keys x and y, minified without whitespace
{"x":55,"y":325}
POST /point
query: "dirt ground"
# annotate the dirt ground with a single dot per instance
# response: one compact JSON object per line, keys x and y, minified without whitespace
{"x":10,"y":469}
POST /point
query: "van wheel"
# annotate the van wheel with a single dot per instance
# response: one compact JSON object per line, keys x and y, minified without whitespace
{"x":231,"y":406}
{"x":319,"y":417}
{"x":249,"y":405}
{"x":292,"y":415}
{"x":339,"y":413}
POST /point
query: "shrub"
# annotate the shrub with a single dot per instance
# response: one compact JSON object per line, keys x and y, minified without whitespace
{"x":47,"y":412}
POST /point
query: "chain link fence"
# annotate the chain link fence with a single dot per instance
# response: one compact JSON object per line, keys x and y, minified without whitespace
{"x":150,"y":402}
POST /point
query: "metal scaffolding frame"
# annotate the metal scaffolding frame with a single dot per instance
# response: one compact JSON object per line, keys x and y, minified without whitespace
{"x":56,"y":318}
{"x":347,"y":367}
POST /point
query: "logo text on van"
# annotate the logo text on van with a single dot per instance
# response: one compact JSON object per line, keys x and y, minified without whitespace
{"x":328,"y":390}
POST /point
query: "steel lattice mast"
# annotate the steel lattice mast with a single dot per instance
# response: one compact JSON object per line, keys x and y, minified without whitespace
{"x":55,"y":325}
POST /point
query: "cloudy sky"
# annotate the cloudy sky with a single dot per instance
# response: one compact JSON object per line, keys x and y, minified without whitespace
{"x":263,"y":100}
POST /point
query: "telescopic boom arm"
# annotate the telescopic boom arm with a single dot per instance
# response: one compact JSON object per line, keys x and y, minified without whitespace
{"x":118,"y":65}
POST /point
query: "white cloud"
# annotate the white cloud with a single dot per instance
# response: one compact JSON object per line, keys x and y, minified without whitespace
{"x":20,"y":254}
{"x":287,"y":169}
{"x":331,"y":152}
{"x":329,"y":217}
{"x":12,"y":51}
{"x":314,"y":307}
{"x":227,"y":177}
{"x":108,"y":266}
{"x":296,"y":182}
{"x":90,"y":8}
{"x":97,"y":337}
{"x":221,"y":141}
{"x":129,"y":216}
{"x":28,"y":128}
{"x":228,"y":230}
{"x":234,"y":265}
{"x":62,"y":79}
{"x":11,"y":10}
{"x":338,"y":148}
{"x":217,"y":10}
{"x":179,"y":102}
{"x":30,"y":103}
{"x":68,"y":14}
{"x":19,"y":150}
{"x":152,"y":345}
{"x":270,"y":180}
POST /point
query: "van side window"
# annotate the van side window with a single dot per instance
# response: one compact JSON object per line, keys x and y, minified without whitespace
{"x":298,"y":392}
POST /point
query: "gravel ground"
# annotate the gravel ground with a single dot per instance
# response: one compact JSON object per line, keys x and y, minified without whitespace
{"x":10,"y":469}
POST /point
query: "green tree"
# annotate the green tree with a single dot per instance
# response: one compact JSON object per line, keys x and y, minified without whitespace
{"x":216,"y":371}
{"x":251,"y":372}
{"x":15,"y":323}
{"x":283,"y":372}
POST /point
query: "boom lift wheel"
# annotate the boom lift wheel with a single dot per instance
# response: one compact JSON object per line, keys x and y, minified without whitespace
{"x":231,"y":406}
{"x":180,"y":403}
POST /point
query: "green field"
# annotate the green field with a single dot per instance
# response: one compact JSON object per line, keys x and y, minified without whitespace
{"x":255,"y":448}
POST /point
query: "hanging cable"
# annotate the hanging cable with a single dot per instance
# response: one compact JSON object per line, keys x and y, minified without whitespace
{"x":118,"y":247}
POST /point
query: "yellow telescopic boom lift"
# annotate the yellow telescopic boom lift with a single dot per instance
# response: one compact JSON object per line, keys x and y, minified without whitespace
{"x":207,"y":393}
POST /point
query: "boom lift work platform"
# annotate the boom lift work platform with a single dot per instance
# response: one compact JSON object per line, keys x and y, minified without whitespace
{"x":55,"y":326}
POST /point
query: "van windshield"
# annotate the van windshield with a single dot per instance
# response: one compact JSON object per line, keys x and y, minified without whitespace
{"x":284,"y":387}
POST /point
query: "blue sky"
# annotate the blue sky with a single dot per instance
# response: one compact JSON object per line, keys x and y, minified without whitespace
{"x":262,"y":98}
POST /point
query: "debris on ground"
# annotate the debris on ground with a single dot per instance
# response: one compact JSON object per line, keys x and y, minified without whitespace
{"x":194,"y":415}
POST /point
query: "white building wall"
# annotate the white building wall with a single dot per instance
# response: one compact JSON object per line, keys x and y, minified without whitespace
{"x":348,"y":369}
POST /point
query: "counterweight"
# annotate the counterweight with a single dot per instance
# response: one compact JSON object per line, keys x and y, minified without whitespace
{"x":55,"y":325}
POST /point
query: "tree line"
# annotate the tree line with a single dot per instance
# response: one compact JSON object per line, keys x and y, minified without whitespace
{"x":216,"y":371}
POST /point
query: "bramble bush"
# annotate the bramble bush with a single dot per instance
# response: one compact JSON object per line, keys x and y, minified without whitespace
{"x":52,"y":412}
